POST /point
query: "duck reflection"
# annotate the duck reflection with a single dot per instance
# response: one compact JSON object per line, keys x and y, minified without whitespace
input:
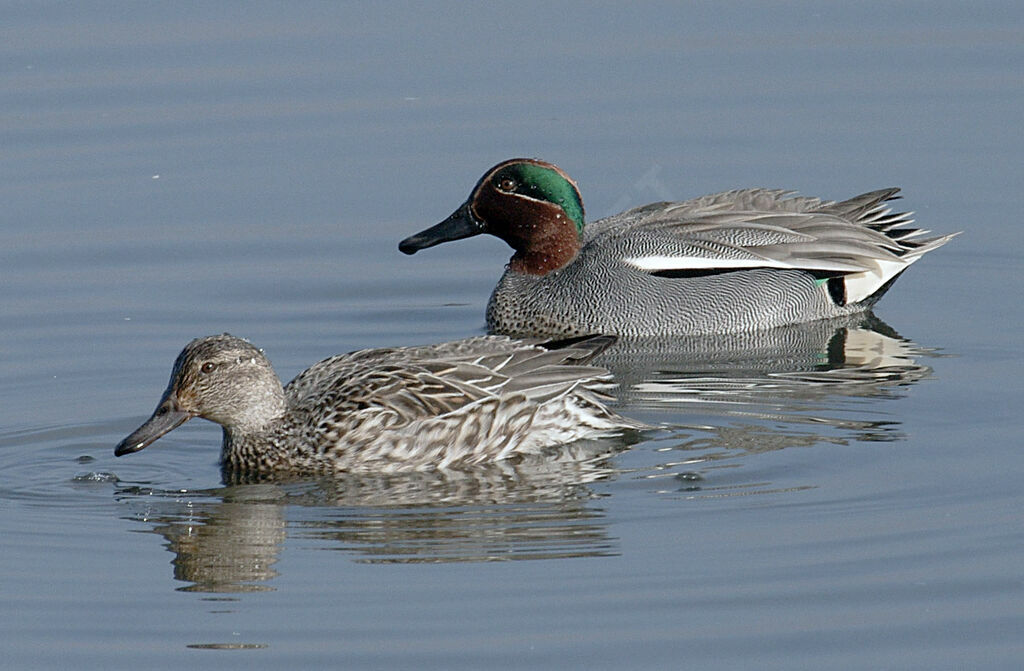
{"x":497,"y":516}
{"x":719,"y":399}
{"x":860,"y":355}
{"x":228,"y":540}
{"x":742,"y":394}
{"x":225,"y":547}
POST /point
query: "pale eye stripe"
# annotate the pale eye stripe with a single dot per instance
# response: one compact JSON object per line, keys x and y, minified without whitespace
{"x":532,"y":199}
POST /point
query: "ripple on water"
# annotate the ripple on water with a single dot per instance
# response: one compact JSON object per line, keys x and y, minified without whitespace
{"x":61,"y":465}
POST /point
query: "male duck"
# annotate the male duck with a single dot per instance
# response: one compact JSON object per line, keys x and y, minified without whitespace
{"x":730,"y":262}
{"x":452,"y":404}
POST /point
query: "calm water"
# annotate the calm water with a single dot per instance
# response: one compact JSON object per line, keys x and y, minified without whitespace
{"x":839,"y":496}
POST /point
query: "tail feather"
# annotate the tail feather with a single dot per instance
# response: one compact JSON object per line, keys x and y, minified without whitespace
{"x":870,"y":210}
{"x":869,"y":285}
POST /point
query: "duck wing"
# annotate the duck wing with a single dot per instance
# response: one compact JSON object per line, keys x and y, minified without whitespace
{"x":861,"y":238}
{"x":398,"y":386}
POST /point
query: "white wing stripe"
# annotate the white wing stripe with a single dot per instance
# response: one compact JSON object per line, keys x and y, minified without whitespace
{"x":654,"y":263}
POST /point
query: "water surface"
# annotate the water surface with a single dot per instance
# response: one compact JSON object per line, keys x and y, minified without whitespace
{"x":837,"y":496}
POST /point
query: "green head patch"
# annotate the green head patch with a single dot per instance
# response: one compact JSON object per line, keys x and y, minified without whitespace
{"x":542,"y":182}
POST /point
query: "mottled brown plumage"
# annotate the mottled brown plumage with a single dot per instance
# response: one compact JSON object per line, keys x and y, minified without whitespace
{"x":452,"y":404}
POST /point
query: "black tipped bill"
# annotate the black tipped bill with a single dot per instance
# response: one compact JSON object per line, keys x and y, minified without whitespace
{"x":165,"y":418}
{"x":461,"y":224}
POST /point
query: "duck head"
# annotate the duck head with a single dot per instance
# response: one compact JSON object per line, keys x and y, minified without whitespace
{"x":220,"y":378}
{"x":532,"y":205}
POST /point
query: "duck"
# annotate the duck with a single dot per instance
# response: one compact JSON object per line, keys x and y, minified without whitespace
{"x":449,"y":405}
{"x":731,"y":262}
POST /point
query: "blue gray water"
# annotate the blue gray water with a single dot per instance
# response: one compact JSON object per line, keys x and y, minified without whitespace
{"x":847,"y":496}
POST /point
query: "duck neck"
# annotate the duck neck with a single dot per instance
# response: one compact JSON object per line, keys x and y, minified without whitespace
{"x":253,"y":451}
{"x":265,"y":408}
{"x":543,"y":243}
{"x":263,"y":417}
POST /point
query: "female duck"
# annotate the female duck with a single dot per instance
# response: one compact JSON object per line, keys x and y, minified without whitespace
{"x":730,"y":262}
{"x":451,"y":404}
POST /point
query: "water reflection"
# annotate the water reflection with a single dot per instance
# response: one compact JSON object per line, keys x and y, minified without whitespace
{"x":225,"y":547}
{"x":800,"y":386}
{"x":228,"y":540}
{"x":858,"y":355}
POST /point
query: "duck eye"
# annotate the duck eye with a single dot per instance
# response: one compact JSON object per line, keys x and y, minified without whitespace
{"x":207,"y":367}
{"x":507,"y":184}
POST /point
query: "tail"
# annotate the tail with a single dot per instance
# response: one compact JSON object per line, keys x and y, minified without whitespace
{"x":870,"y":210}
{"x":869,"y":286}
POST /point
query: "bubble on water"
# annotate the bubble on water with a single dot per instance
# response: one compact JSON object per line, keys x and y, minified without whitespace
{"x":226,"y":646}
{"x":96,"y":476}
